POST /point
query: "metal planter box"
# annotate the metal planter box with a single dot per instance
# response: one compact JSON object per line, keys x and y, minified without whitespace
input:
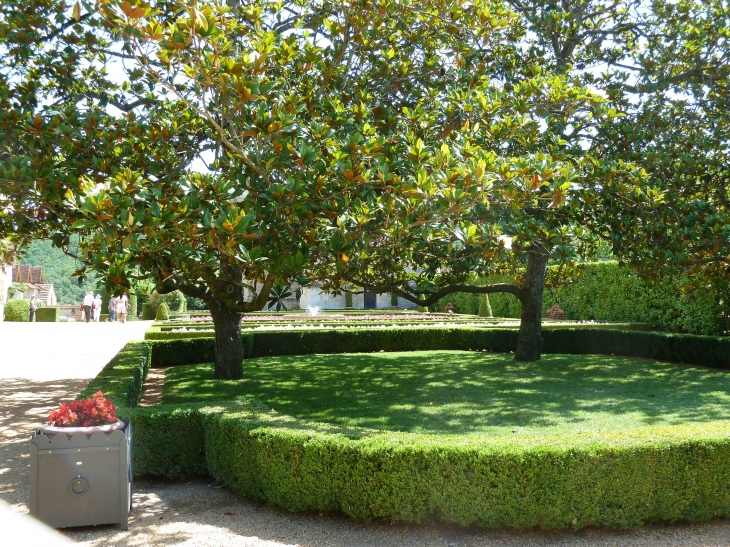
{"x":82,"y":480}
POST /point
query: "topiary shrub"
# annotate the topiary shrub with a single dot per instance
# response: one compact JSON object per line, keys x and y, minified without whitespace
{"x":16,"y":288}
{"x":132,"y":310}
{"x":175,"y":301}
{"x":147,"y":313}
{"x":163,"y":312}
{"x":485,"y":309}
{"x":48,"y":315}
{"x":17,"y":310}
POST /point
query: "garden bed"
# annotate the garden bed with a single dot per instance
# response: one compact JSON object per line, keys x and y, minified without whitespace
{"x":631,"y":459}
{"x":160,"y":331}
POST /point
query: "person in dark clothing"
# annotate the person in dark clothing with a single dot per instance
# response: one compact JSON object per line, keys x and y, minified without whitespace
{"x":112,"y":309}
{"x":33,"y":308}
{"x":86,"y":306}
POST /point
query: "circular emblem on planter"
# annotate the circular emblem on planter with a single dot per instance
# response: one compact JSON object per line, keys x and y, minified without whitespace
{"x":79,"y":486}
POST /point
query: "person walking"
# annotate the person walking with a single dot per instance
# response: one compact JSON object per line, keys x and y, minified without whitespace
{"x":112,"y":309}
{"x":33,"y":308}
{"x":86,"y":306}
{"x":97,"y":308}
{"x":121,"y":310}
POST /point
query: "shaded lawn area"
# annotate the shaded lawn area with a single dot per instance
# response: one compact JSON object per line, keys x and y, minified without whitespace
{"x":459,"y":392}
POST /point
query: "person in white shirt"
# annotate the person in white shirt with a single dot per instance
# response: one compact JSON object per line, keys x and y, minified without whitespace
{"x":122,"y":309}
{"x":96,"y":306}
{"x":86,"y":305}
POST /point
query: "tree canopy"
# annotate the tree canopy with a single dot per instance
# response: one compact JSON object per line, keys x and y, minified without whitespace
{"x":395,"y":146}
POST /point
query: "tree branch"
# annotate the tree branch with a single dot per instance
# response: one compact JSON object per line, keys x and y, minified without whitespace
{"x":71,"y":22}
{"x":413,"y":294}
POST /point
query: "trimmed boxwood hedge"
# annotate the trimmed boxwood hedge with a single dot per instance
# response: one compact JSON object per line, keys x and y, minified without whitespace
{"x":168,"y":441}
{"x":617,"y":478}
{"x":165,"y":332}
{"x":191,"y":351}
{"x":708,"y":351}
{"x":48,"y":315}
{"x":620,"y":479}
{"x":122,"y":379}
{"x":613,"y":478}
{"x":682,"y":348}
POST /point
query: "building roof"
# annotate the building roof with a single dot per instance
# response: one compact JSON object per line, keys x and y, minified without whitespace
{"x":23,"y":273}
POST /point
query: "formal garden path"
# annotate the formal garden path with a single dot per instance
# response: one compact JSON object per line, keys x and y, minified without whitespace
{"x":43,"y":363}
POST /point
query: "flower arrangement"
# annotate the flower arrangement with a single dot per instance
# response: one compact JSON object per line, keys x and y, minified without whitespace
{"x":96,"y":410}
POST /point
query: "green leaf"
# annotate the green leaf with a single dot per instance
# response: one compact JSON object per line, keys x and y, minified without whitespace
{"x":84,"y":224}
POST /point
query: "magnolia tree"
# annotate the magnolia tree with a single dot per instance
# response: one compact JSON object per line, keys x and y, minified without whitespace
{"x":665,"y":66}
{"x":501,"y":195}
{"x":294,"y":102}
{"x":617,"y":135}
{"x":500,"y":172}
{"x":677,"y":127}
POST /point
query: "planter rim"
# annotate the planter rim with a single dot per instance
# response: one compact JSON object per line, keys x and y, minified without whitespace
{"x":47,"y":429}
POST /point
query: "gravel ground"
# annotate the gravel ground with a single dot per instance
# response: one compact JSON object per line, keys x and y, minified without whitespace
{"x":198,"y":513}
{"x":194,"y":514}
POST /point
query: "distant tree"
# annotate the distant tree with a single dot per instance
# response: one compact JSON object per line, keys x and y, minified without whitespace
{"x":16,"y":288}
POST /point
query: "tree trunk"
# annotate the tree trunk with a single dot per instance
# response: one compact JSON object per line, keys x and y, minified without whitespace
{"x":228,"y":345}
{"x":530,"y":339}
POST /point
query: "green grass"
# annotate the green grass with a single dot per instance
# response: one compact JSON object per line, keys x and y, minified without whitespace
{"x":457,"y":392}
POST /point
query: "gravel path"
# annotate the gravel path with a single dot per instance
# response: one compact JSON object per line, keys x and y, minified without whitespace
{"x":198,"y":513}
{"x":55,"y":351}
{"x":152,"y":394}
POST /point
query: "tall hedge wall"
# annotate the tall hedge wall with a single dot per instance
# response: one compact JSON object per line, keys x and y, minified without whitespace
{"x":607,"y":292}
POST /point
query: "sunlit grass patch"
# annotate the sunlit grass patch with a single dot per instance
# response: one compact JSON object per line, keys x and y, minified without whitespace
{"x":455,"y":392}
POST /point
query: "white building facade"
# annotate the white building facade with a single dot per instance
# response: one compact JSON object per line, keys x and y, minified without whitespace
{"x":313,"y":297}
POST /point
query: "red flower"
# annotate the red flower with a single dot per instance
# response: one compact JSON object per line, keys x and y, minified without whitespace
{"x":98,"y":410}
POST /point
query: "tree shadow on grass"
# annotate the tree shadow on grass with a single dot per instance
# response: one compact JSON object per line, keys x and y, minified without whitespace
{"x":467,"y":392}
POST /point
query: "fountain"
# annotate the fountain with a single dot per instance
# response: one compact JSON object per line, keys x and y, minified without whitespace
{"x":313,"y":311}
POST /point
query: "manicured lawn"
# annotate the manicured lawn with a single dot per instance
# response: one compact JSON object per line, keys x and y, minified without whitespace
{"x":456,"y":392}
